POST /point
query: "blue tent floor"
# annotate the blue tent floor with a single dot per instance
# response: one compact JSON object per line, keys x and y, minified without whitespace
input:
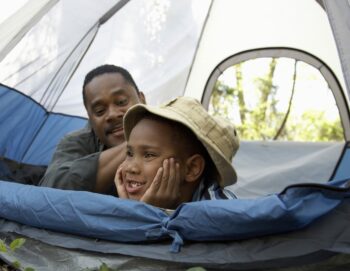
{"x":324,"y":245}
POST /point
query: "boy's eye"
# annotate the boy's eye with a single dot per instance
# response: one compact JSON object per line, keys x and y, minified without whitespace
{"x":149,"y":155}
{"x":129,"y":153}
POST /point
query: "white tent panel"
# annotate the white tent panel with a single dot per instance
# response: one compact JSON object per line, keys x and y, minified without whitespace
{"x":33,"y":63}
{"x":338,"y":13}
{"x":154,"y":44}
{"x":15,"y":25}
{"x":236,"y":26}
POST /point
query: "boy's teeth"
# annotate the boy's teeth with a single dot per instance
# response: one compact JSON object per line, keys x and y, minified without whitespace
{"x":135,"y":184}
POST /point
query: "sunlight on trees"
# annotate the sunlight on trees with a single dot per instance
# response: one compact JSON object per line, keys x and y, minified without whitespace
{"x":277,"y":99}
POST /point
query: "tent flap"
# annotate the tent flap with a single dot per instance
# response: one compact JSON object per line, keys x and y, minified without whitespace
{"x":76,"y":211}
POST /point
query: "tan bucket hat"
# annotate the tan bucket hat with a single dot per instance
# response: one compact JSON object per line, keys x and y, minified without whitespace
{"x":218,"y":135}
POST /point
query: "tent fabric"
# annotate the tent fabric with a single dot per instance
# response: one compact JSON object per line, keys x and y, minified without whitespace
{"x":110,"y":218}
{"x":278,"y":164}
{"x":171,"y":48}
{"x":338,"y":15}
{"x":156,"y":44}
{"x":270,"y":24}
{"x":26,"y":139}
{"x":343,"y":169}
{"x":322,"y":246}
{"x":15,"y":27}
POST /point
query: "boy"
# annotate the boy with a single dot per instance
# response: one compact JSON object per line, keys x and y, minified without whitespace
{"x":174,"y":153}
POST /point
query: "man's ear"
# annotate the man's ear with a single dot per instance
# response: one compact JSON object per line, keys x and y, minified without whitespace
{"x":142,"y":97}
{"x":195,"y":165}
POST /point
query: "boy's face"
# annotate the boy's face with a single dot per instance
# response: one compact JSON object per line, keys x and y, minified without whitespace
{"x":150,"y":142}
{"x":108,"y":97}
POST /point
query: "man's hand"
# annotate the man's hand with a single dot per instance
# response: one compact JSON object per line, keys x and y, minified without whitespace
{"x":164,"y":191}
{"x":119,"y":183}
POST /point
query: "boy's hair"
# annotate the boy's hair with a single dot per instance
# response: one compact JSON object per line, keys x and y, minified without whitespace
{"x":107,"y":68}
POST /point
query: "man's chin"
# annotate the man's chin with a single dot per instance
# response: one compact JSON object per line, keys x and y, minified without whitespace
{"x":113,"y":142}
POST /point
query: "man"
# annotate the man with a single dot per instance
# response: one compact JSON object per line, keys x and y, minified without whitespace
{"x":87,"y":159}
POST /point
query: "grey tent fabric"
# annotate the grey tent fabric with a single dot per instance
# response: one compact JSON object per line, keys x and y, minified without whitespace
{"x":338,"y":14}
{"x":312,"y":248}
{"x":12,"y":30}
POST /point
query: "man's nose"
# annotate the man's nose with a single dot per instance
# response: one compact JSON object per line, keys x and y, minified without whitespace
{"x":114,"y":113}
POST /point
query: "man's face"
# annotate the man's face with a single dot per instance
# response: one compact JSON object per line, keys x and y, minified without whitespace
{"x":108,"y":97}
{"x":150,"y":142}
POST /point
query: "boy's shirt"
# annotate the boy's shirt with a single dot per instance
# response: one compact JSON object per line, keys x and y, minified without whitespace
{"x":211,"y":191}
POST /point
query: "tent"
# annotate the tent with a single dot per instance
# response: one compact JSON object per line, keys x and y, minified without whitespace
{"x":172,"y":48}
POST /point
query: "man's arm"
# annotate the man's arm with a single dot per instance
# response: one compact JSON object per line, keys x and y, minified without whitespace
{"x":78,"y":165}
{"x":74,"y":163}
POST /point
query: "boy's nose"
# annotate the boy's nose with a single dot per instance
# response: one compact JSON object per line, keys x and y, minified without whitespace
{"x":132,"y":167}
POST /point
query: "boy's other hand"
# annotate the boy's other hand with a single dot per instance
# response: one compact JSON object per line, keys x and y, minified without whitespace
{"x":164,"y":191}
{"x":119,"y":183}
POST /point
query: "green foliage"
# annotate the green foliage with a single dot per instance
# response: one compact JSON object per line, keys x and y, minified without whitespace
{"x":3,"y":247}
{"x":313,"y":126}
{"x":14,"y":245}
{"x":104,"y":267}
{"x":16,"y":264}
{"x":17,"y":243}
{"x":260,"y":116}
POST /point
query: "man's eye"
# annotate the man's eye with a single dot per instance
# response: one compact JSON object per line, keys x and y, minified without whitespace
{"x":99,"y":111}
{"x":122,"y":102}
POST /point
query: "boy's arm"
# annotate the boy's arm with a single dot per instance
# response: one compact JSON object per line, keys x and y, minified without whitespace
{"x":119,"y":183}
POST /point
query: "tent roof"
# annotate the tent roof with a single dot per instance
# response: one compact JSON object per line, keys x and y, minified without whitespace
{"x":168,"y":54}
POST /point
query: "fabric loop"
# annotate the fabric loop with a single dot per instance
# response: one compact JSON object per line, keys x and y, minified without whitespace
{"x":163,"y":232}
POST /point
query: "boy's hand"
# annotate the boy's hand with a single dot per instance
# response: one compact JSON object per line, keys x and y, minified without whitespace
{"x":119,"y":183}
{"x":164,"y":191}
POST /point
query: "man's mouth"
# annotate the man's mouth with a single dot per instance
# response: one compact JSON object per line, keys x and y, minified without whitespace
{"x":116,"y":130}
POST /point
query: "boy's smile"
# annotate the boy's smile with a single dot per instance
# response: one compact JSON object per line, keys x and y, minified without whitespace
{"x":133,"y":187}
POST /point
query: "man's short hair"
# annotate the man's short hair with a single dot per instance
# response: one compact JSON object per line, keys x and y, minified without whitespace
{"x":107,"y":68}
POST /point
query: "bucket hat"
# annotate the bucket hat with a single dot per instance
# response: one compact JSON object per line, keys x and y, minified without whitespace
{"x":217,"y":135}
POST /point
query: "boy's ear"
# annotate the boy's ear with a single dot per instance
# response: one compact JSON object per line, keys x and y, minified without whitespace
{"x":195,"y":165}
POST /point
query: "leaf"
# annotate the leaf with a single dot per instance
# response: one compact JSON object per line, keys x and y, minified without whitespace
{"x":104,"y":267}
{"x":16,"y":264}
{"x":29,"y":269}
{"x":197,"y":268}
{"x":17,"y":243}
{"x":3,"y":247}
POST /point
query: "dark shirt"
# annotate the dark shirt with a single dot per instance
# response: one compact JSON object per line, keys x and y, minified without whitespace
{"x":75,"y":162}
